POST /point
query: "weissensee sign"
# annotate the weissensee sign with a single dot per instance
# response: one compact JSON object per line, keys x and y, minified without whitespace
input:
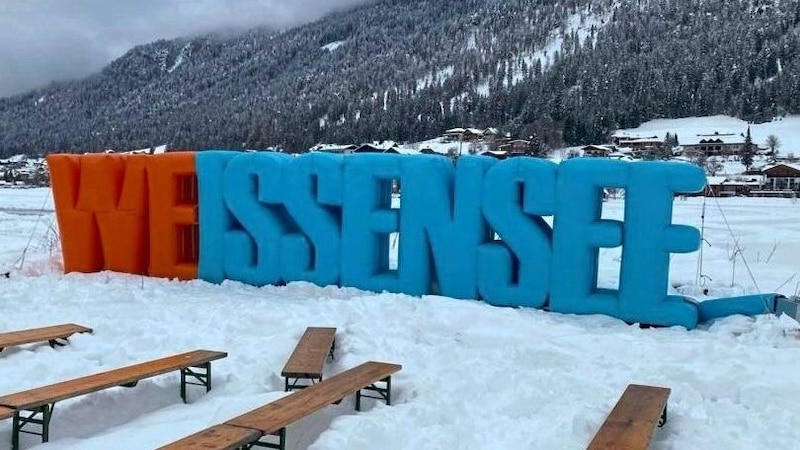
{"x":473,"y":231}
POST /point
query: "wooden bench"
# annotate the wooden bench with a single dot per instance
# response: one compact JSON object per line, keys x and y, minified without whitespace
{"x":631,"y":423}
{"x":6,"y":413}
{"x":273,"y":418}
{"x":308,"y":357}
{"x":218,"y":437}
{"x":49,"y":334}
{"x":35,"y":406}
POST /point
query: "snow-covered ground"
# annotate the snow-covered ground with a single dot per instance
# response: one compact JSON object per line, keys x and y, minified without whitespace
{"x":786,"y":129}
{"x":474,"y":376}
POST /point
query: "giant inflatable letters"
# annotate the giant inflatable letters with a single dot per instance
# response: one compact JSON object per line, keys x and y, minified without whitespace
{"x":471,"y":230}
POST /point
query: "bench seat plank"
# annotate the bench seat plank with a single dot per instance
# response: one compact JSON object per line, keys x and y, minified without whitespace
{"x":218,"y":437}
{"x":280,"y":413}
{"x":126,"y":375}
{"x":631,"y":423}
{"x":309,"y":355}
{"x":21,"y":337}
{"x":6,"y":413}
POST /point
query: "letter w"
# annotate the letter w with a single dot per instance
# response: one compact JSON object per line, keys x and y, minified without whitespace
{"x":101,"y":207}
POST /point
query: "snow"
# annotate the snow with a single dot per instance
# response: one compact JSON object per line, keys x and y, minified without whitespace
{"x":435,"y":79}
{"x":176,"y":64}
{"x":787,"y":129}
{"x":473,"y":377}
{"x":580,"y":24}
{"x":331,"y":46}
{"x":483,"y":89}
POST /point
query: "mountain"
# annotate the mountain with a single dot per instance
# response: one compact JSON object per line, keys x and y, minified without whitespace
{"x":568,"y":71}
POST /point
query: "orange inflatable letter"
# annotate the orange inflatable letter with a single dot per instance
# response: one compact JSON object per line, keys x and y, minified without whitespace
{"x":80,"y":240}
{"x":174,"y":232}
{"x":101,"y":206}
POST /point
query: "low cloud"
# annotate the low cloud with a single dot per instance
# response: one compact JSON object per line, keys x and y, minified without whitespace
{"x":52,"y":40}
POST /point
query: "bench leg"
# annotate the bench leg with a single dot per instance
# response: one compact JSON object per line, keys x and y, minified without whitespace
{"x":330,"y":352}
{"x":663,"y":419}
{"x":289,"y":386}
{"x":202,"y":375}
{"x":384,"y":392}
{"x":55,"y":343}
{"x":280,"y":445}
{"x":20,"y":421}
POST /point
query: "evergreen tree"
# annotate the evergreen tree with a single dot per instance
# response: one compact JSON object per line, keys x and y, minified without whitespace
{"x":389,"y":80}
{"x":747,"y":151}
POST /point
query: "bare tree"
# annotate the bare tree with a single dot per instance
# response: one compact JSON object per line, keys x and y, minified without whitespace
{"x":773,"y":143}
{"x":712,"y":166}
{"x":697,"y":157}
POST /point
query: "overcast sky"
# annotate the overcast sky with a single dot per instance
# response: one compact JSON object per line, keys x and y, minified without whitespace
{"x":47,"y":40}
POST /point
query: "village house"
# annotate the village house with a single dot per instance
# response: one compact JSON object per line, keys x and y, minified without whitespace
{"x":640,"y":145}
{"x":369,"y":148}
{"x":334,"y":148}
{"x":463,"y":134}
{"x":516,"y":146}
{"x":472,"y":135}
{"x":598,"y":151}
{"x":782,"y":178}
{"x":624,"y":136}
{"x":20,"y":170}
{"x":717,"y":144}
{"x":643,"y":146}
{"x":430,"y":151}
{"x":730,"y":186}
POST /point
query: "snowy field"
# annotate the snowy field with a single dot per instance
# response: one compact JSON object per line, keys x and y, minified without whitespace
{"x":787,"y":129}
{"x":474,"y":376}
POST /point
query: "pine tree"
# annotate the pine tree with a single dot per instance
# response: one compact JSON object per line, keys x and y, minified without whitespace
{"x":747,"y":151}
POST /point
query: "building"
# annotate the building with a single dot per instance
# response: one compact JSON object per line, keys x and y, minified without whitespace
{"x":623,"y":136}
{"x":598,"y":151}
{"x":518,"y":146}
{"x":737,"y":185}
{"x":782,"y":178}
{"x":334,"y":148}
{"x":717,"y":144}
{"x":471,"y":135}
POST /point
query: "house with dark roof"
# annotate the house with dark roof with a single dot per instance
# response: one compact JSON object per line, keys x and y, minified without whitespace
{"x":782,"y":177}
{"x":716,"y":144}
{"x":598,"y":151}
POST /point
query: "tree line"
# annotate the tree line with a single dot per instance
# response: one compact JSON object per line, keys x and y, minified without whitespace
{"x":569,"y":72}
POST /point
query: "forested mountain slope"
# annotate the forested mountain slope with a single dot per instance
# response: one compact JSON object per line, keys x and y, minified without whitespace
{"x":570,"y":71}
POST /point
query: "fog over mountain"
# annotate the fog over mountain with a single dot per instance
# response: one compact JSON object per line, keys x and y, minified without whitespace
{"x":569,"y":72}
{"x":46,"y":40}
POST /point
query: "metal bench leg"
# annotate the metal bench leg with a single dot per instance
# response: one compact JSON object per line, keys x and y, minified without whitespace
{"x":20,"y":421}
{"x":202,"y":375}
{"x":333,"y":347}
{"x":280,"y":445}
{"x":54,"y":343}
{"x":384,"y":392}
{"x":289,"y":386}
{"x":663,"y":419}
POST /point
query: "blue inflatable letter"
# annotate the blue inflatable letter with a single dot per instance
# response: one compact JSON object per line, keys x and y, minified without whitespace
{"x":515,"y":271}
